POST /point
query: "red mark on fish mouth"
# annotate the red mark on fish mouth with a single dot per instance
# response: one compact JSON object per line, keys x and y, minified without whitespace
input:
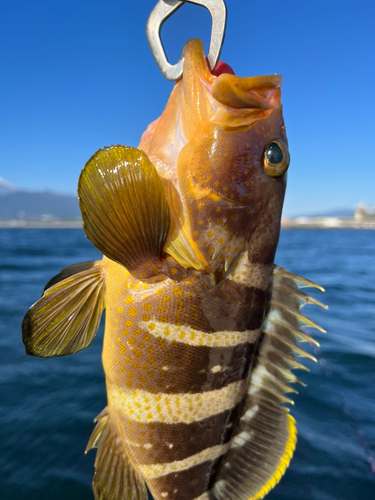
{"x":222,"y":68}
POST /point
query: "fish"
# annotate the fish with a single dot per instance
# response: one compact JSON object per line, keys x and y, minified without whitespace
{"x":202,"y":328}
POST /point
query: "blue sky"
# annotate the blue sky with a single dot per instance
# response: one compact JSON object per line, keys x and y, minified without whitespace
{"x":78,"y":75}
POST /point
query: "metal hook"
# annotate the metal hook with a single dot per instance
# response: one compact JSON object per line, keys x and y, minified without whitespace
{"x":162,"y":11}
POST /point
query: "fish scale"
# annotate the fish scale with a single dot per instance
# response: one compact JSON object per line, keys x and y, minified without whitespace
{"x":202,"y":328}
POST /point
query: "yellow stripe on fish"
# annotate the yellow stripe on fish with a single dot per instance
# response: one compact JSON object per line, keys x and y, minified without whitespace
{"x":191,"y":336}
{"x":147,"y":407}
{"x":157,"y":470}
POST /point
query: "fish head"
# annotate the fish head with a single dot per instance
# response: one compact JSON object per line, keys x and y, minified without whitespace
{"x":221,"y":148}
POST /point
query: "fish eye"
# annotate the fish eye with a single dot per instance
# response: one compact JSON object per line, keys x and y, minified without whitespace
{"x":276,"y":158}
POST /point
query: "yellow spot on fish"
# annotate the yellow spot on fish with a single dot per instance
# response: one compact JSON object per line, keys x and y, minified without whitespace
{"x":125,"y":331}
{"x":200,"y":205}
{"x":147,"y":307}
{"x":129,"y":300}
{"x":120,"y":310}
{"x":137,"y":331}
{"x":144,"y":286}
{"x":201,"y":222}
{"x":195,"y":233}
{"x":210,"y":234}
{"x":131,"y":341}
{"x":166,"y":298}
{"x":173,"y":271}
{"x":162,"y":308}
{"x":177,"y":291}
{"x":128,"y":285}
{"x":220,"y":240}
{"x":132,"y":311}
{"x":123,"y":348}
{"x":146,"y":317}
{"x":151,"y":326}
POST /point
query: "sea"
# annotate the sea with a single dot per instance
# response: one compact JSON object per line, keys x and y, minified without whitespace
{"x":47,"y":406}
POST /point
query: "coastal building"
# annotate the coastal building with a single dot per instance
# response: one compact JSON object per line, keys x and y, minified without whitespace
{"x":363,"y":218}
{"x":363,"y":213}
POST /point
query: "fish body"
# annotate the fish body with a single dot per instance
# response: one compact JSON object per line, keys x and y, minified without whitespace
{"x":201,"y":326}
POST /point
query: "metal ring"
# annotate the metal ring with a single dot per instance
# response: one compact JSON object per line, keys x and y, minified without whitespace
{"x":162,"y":11}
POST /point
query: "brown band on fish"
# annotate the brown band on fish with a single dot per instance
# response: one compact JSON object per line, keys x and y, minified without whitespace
{"x":187,"y":484}
{"x":158,"y":365}
{"x":234,"y":306}
{"x":158,"y":442}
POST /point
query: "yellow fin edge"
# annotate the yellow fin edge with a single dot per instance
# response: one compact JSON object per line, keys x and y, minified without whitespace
{"x":284,"y":461}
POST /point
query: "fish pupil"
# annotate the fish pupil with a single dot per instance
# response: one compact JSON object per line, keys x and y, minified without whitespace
{"x":274,"y":153}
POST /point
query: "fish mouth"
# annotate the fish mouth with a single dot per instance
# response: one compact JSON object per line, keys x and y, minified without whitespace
{"x":255,"y":93}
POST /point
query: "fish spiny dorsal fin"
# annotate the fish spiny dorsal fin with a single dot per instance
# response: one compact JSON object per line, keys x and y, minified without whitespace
{"x":65,"y":320}
{"x":115,"y":477}
{"x":124,"y":208}
{"x":266,"y":435}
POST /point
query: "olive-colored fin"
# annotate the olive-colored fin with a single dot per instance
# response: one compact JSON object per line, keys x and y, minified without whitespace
{"x":65,"y":320}
{"x":115,"y":477}
{"x":124,"y":208}
{"x":266,"y":435}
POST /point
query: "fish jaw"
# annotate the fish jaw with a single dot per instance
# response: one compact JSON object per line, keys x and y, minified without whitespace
{"x":208,"y":146}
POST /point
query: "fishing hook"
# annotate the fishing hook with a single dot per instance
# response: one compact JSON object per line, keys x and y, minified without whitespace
{"x":162,"y":11}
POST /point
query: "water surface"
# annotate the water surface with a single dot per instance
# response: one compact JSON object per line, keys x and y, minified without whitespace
{"x":47,"y":406}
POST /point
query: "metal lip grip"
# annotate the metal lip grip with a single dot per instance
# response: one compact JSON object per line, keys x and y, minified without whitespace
{"x":162,"y":11}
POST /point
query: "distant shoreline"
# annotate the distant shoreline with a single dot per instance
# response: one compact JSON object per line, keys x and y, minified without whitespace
{"x":285,"y":224}
{"x":56,"y":224}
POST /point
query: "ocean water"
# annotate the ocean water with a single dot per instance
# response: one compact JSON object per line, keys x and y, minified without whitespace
{"x":47,"y":406}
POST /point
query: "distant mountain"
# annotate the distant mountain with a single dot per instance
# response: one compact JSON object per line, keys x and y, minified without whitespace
{"x":38,"y":206}
{"x":339,"y":212}
{"x":6,"y":187}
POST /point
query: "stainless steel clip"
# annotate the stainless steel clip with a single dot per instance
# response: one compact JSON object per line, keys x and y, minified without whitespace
{"x":162,"y":11}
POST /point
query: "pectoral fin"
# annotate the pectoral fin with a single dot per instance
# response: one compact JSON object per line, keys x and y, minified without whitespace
{"x":266,"y":435}
{"x":124,"y":208}
{"x":115,"y":477}
{"x":65,"y":320}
